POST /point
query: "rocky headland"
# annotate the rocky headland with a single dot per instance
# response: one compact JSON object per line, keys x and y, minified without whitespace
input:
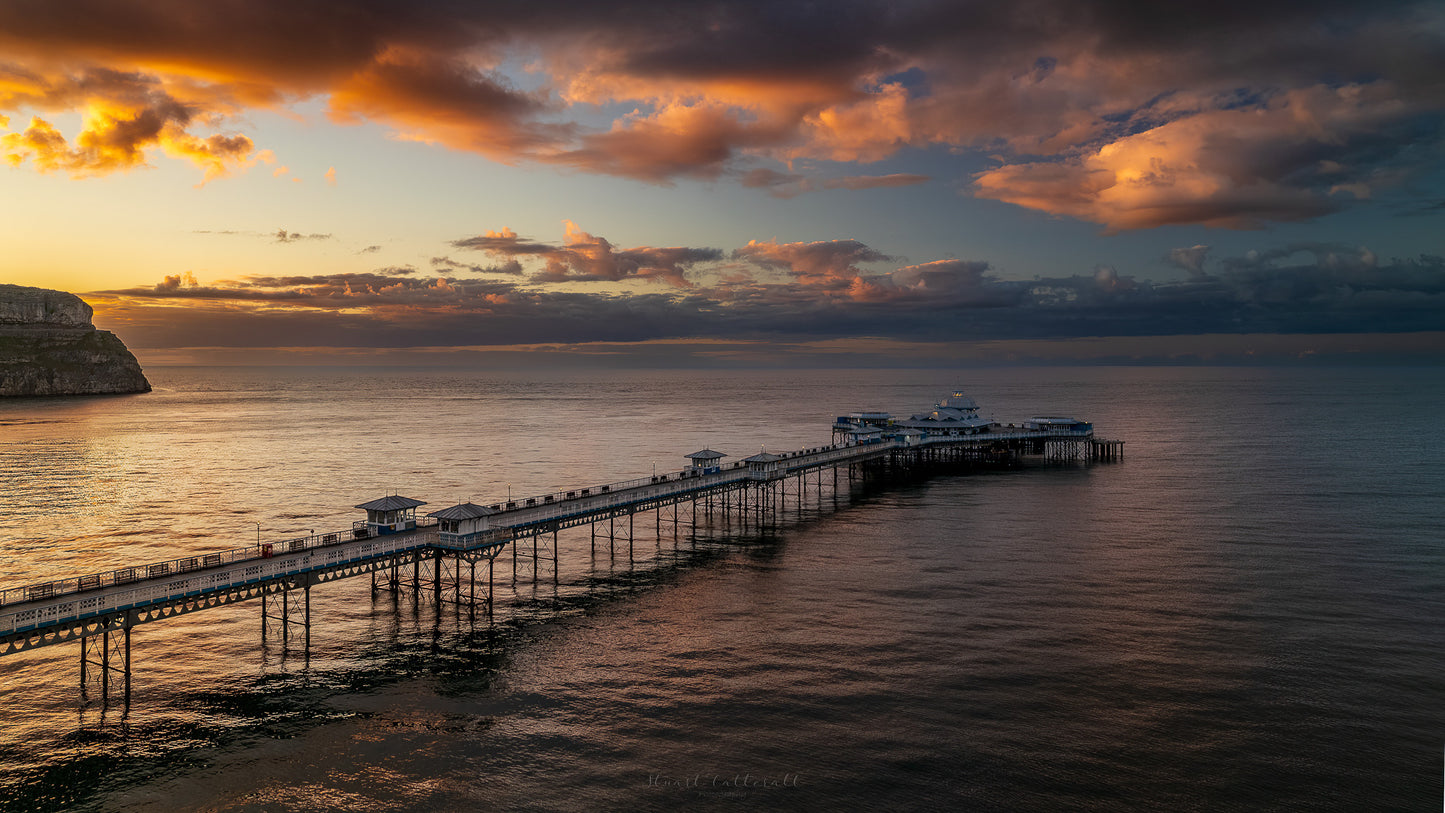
{"x":48,"y":346}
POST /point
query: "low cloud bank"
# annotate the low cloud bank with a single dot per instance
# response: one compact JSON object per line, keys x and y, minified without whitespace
{"x":586,"y":290}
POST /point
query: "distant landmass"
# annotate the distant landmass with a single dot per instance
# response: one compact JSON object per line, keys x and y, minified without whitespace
{"x":48,"y":346}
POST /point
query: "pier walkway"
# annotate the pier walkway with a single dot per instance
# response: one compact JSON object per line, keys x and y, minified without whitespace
{"x":101,"y":609}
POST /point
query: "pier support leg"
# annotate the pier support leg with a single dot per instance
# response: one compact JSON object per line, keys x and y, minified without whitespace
{"x":127,"y":663}
{"x":276,"y":607}
{"x":104,"y":667}
{"x":437,"y":579}
{"x":105,"y":656}
{"x":306,"y":591}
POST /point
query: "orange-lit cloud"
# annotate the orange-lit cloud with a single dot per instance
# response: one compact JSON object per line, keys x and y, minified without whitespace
{"x":1115,"y":113}
{"x":682,"y":140}
{"x":1237,"y":168}
{"x":122,"y":116}
{"x":586,"y":258}
{"x":439,"y":99}
{"x":828,"y":262}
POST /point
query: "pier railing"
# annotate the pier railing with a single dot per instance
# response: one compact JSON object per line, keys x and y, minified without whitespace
{"x":802,"y":458}
{"x":539,"y":500}
{"x":182,"y":564}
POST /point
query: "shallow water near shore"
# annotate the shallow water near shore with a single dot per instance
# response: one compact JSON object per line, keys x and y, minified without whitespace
{"x":1246,"y":613}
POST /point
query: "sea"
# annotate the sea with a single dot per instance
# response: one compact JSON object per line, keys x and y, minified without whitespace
{"x":1245,"y":613}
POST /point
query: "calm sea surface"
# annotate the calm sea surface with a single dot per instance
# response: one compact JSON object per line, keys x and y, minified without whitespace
{"x":1248,"y":613}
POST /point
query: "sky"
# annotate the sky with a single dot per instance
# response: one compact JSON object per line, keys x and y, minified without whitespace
{"x":777,"y":182}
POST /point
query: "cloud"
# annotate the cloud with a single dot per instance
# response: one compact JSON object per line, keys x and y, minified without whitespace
{"x":505,"y":242}
{"x":587,"y":258}
{"x":123,"y":114}
{"x":777,"y":184}
{"x":942,"y":276}
{"x":824,"y":262}
{"x":1284,"y":160}
{"x":437,"y":98}
{"x":283,"y":236}
{"x":1190,"y":259}
{"x":510,"y":268}
{"x":1226,"y":114}
{"x":769,"y":291}
{"x":789,"y":185}
{"x":678,"y":140}
{"x":177,"y":282}
{"x":856,"y":182}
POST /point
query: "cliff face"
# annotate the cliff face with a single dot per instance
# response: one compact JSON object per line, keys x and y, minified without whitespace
{"x":48,"y":346}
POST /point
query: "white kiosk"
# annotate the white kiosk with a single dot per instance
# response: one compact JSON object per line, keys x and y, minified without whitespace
{"x":704,"y":462}
{"x":764,"y":466}
{"x":387,"y":515}
{"x":462,"y":525}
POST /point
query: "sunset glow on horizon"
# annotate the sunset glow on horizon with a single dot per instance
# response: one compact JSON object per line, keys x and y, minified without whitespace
{"x":248,"y":177}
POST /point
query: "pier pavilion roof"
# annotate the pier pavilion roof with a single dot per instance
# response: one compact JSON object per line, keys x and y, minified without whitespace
{"x":705,"y":454}
{"x":763,"y":457}
{"x":945,"y":413}
{"x":957,"y":400}
{"x":463,"y":510}
{"x":392,"y":503}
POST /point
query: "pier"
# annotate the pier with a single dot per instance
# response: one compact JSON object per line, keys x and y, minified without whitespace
{"x":449,"y":555}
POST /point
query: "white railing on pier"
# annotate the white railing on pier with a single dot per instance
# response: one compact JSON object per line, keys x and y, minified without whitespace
{"x":180,"y":565}
{"x":523,"y":511}
{"x":140,"y":594}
